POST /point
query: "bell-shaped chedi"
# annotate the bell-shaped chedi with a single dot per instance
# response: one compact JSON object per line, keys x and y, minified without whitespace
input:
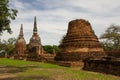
{"x":20,"y":46}
{"x":35,"y":46}
{"x":79,"y":43}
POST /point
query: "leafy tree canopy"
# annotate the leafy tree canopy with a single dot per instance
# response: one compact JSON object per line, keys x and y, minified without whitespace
{"x":7,"y":46}
{"x":112,"y":37}
{"x":49,"y":48}
{"x":6,"y":15}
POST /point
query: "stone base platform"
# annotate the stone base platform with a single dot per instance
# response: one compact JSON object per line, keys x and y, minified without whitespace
{"x":78,"y":56}
{"x":19,"y":57}
{"x":68,"y":63}
{"x":103,"y":66}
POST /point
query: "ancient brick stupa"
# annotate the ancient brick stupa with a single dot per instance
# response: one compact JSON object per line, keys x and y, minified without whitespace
{"x":79,"y":43}
{"x":20,"y":46}
{"x":35,"y":46}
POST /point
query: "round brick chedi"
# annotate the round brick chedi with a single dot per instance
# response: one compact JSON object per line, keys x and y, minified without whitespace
{"x":20,"y":46}
{"x":79,"y":43}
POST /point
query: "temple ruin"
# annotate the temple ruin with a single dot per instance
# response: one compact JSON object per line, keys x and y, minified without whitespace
{"x":79,"y":43}
{"x":35,"y":46}
{"x":79,"y":47}
{"x":20,"y":46}
{"x":34,"y":49}
{"x":109,"y":64}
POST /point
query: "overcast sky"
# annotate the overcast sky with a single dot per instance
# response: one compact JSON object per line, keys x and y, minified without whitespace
{"x":53,"y":17}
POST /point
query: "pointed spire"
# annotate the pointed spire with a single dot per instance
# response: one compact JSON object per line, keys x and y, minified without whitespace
{"x":35,"y":25}
{"x":21,"y":30}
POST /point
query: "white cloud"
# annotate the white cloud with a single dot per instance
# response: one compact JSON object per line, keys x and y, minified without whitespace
{"x":97,"y":6}
{"x":53,"y":16}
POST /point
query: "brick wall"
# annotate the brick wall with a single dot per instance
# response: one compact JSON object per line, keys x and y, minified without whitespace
{"x":103,"y":66}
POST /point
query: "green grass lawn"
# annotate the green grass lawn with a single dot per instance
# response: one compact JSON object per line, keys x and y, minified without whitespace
{"x":25,"y":70}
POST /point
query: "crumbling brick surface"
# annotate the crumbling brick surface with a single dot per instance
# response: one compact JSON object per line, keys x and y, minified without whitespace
{"x":79,"y":43}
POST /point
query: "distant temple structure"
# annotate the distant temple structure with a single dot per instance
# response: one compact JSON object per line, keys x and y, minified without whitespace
{"x":20,"y":46}
{"x":80,"y":46}
{"x":34,"y":49}
{"x":35,"y":46}
{"x":79,"y":43}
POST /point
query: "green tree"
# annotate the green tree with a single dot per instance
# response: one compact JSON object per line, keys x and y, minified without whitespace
{"x":111,"y":37}
{"x":49,"y":48}
{"x":56,"y":48}
{"x":8,"y":45}
{"x":6,"y":15}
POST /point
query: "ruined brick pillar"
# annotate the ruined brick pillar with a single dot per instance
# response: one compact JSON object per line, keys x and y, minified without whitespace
{"x":20,"y":45}
{"x":79,"y":43}
{"x":35,"y":46}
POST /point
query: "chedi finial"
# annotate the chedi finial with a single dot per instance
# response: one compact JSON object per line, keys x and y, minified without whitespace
{"x":35,"y":25}
{"x":21,"y":30}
